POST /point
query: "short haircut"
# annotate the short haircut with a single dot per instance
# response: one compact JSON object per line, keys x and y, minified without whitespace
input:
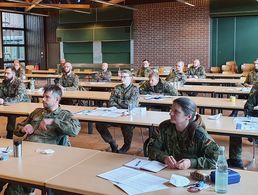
{"x":10,"y":67}
{"x":153,"y":74}
{"x":127,"y":72}
{"x":55,"y":89}
{"x":146,"y":60}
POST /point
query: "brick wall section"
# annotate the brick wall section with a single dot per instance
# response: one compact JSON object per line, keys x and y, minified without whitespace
{"x":165,"y":33}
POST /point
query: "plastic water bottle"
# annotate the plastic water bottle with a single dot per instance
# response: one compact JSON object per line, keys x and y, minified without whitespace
{"x":221,"y":176}
{"x":32,"y":84}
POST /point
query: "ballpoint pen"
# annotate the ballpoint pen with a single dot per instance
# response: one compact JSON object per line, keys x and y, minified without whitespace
{"x":137,"y":163}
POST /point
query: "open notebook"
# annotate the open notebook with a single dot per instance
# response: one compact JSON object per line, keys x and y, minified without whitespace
{"x":153,"y":166}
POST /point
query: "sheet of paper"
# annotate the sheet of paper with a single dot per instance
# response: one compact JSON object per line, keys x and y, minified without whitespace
{"x":120,"y":174}
{"x":142,"y":183}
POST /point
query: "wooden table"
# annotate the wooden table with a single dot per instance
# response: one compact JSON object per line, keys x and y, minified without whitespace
{"x":82,"y":179}
{"x":35,"y":169}
{"x":201,"y":102}
{"x":136,"y":79}
{"x":43,"y":71}
{"x":223,"y":76}
{"x":229,"y":82}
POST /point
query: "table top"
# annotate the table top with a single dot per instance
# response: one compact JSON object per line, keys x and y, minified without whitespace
{"x":77,"y":180}
{"x":224,"y":124}
{"x":220,"y":75}
{"x":24,"y":81}
{"x":215,"y":81}
{"x":209,"y":102}
{"x":43,"y":76}
{"x":52,"y":71}
{"x":36,"y":168}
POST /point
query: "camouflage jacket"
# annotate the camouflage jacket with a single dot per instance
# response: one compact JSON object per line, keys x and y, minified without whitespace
{"x":104,"y":76}
{"x":121,"y":97}
{"x":175,"y":76}
{"x":14,"y":91}
{"x":200,"y":72}
{"x":203,"y":153}
{"x":143,"y":72}
{"x":163,"y":87}
{"x":252,"y":102}
{"x":252,"y":77}
{"x":20,"y":73}
{"x":69,"y":82}
{"x":63,"y":124}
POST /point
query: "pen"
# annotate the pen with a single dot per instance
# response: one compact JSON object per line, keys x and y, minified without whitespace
{"x":137,"y":163}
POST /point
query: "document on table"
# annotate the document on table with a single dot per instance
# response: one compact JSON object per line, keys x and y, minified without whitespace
{"x":105,"y":112}
{"x":156,"y":97}
{"x":144,"y":164}
{"x":246,"y":123}
{"x":133,"y":181}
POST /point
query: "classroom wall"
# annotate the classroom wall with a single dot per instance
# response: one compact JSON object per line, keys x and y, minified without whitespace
{"x":167,"y":32}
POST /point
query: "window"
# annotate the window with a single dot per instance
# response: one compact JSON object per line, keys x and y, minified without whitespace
{"x":13,"y":37}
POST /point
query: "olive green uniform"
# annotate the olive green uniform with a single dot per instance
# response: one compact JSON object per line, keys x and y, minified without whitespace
{"x":69,"y":82}
{"x":20,"y":73}
{"x":235,"y":146}
{"x":104,"y":76}
{"x":203,"y":153}
{"x":163,"y":87}
{"x":175,"y":76}
{"x":143,"y":72}
{"x":252,"y":77}
{"x":120,"y":98}
{"x":199,"y":72}
{"x":13,"y":92}
{"x":64,"y":125}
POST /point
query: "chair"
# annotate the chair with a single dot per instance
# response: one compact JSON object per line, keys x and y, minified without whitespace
{"x":232,"y":65}
{"x":215,"y":69}
{"x":246,"y":68}
{"x":29,"y":68}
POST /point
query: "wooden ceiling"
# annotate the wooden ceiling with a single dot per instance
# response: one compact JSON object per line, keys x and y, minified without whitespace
{"x":46,"y":6}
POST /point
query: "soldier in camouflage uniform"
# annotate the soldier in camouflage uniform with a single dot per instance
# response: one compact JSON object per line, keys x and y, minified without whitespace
{"x":155,"y":85}
{"x":144,"y":70}
{"x":196,"y":71}
{"x":123,"y":94}
{"x":235,"y":146}
{"x":12,"y":91}
{"x":252,"y":76}
{"x":19,"y":72}
{"x":182,"y":142}
{"x":178,"y":74}
{"x":60,"y":67}
{"x":68,"y":82}
{"x":49,"y":124}
{"x":104,"y":75}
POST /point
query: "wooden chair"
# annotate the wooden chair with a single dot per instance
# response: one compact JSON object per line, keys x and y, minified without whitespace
{"x":215,"y":70}
{"x":29,"y":68}
{"x":233,"y":66}
{"x":246,"y":68}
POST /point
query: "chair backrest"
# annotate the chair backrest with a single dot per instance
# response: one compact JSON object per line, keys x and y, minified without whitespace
{"x":232,"y":65}
{"x":215,"y":69}
{"x":30,"y":67}
{"x":246,"y":68}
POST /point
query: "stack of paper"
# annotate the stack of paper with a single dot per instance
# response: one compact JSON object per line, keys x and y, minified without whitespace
{"x":133,"y":181}
{"x":104,"y":112}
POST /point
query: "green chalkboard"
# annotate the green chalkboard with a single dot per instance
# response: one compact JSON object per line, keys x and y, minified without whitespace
{"x":78,"y":52}
{"x":234,"y":38}
{"x":116,"y":52}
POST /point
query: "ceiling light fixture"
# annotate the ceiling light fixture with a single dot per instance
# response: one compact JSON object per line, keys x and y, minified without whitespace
{"x":114,"y":4}
{"x":184,"y":2}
